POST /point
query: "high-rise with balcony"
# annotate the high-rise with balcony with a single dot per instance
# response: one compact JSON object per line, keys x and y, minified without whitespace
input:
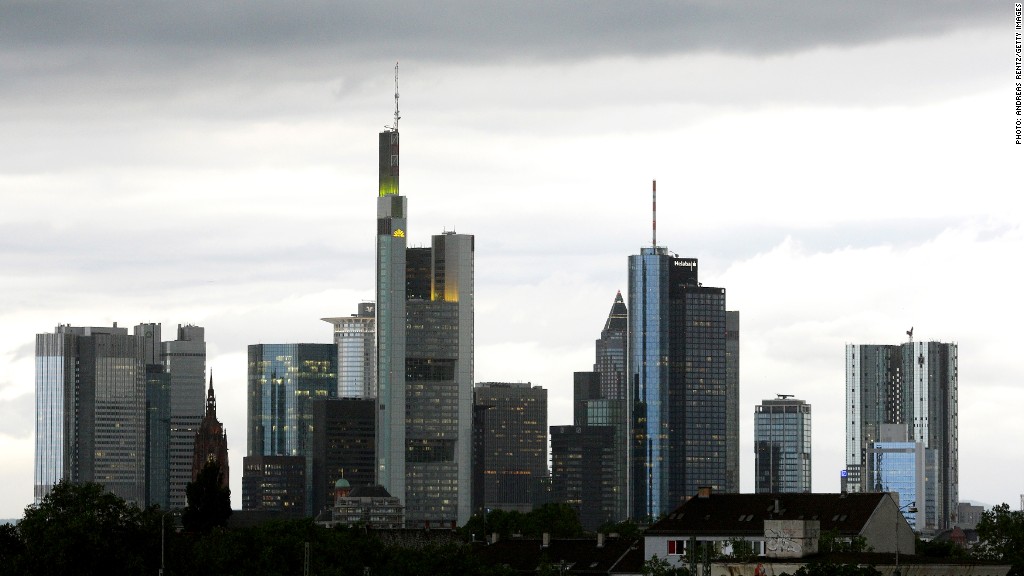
{"x":782,"y":445}
{"x":356,"y":339}
{"x":898,"y":396}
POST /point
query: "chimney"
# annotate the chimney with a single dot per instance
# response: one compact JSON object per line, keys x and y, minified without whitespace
{"x":600,"y":539}
{"x":545,"y":540}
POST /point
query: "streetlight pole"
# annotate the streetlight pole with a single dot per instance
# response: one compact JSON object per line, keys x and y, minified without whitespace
{"x":899,"y":515}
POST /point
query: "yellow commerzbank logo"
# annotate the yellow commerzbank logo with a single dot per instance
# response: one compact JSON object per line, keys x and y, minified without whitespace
{"x":399,"y":233}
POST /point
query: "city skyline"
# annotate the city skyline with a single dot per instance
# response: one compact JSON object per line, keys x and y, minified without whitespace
{"x":843,"y":171}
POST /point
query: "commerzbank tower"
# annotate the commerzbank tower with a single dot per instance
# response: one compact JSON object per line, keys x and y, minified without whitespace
{"x":424,"y":357}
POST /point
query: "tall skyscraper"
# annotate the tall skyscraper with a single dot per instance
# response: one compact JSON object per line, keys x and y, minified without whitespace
{"x":184,"y":359}
{"x":284,"y":380}
{"x":914,"y":385}
{"x":515,"y":436}
{"x":782,"y":445}
{"x":391,"y":319}
{"x":424,"y":358}
{"x":356,"y":339}
{"x":678,"y":397}
{"x":599,"y":399}
{"x":91,"y":410}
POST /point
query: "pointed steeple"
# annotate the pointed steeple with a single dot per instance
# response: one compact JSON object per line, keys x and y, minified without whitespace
{"x":617,"y":315}
{"x":211,"y":399}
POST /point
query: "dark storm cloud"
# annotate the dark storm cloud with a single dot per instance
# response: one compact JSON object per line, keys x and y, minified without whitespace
{"x":69,"y":37}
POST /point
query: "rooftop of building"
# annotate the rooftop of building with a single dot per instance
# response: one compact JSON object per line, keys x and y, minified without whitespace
{"x":744,"y":514}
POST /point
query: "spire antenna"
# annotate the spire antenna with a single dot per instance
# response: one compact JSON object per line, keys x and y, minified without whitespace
{"x":654,"y":213}
{"x":397,"y":117}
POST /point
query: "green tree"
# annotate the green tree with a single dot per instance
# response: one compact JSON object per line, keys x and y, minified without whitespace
{"x":831,"y":541}
{"x":1001,"y":537}
{"x":83,"y":529}
{"x":627,"y":529}
{"x":209,"y":502}
{"x":560,"y":520}
{"x":12,"y":549}
{"x":655,"y":566}
{"x":742,"y":550}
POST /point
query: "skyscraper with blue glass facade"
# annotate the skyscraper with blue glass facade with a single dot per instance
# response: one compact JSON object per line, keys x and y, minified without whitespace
{"x":677,"y":379}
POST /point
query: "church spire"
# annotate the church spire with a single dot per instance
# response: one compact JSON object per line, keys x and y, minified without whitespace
{"x":211,"y":399}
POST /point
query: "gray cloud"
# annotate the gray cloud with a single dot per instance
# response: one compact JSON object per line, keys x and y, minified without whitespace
{"x":474,"y":31}
{"x":17,"y":416}
{"x":156,"y":43}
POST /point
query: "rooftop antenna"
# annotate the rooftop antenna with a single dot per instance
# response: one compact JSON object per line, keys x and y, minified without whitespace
{"x":396,"y":97}
{"x":654,"y":213}
{"x":394,"y":128}
{"x":910,"y":335}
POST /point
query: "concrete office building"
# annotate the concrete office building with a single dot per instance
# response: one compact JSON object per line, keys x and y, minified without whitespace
{"x":515,"y":442}
{"x":582,"y":474}
{"x":184,"y":359}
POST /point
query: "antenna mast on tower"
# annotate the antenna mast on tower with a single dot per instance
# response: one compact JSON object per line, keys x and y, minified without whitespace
{"x":396,"y":97}
{"x":654,"y":213}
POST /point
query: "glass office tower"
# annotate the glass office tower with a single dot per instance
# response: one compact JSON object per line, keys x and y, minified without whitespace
{"x":284,"y":379}
{"x":677,"y":377}
{"x":91,"y":410}
{"x":782,"y":446}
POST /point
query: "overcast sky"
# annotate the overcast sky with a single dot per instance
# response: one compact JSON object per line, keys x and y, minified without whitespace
{"x":845,"y":171}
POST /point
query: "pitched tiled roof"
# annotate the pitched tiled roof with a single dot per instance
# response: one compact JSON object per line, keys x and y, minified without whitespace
{"x":744,"y":514}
